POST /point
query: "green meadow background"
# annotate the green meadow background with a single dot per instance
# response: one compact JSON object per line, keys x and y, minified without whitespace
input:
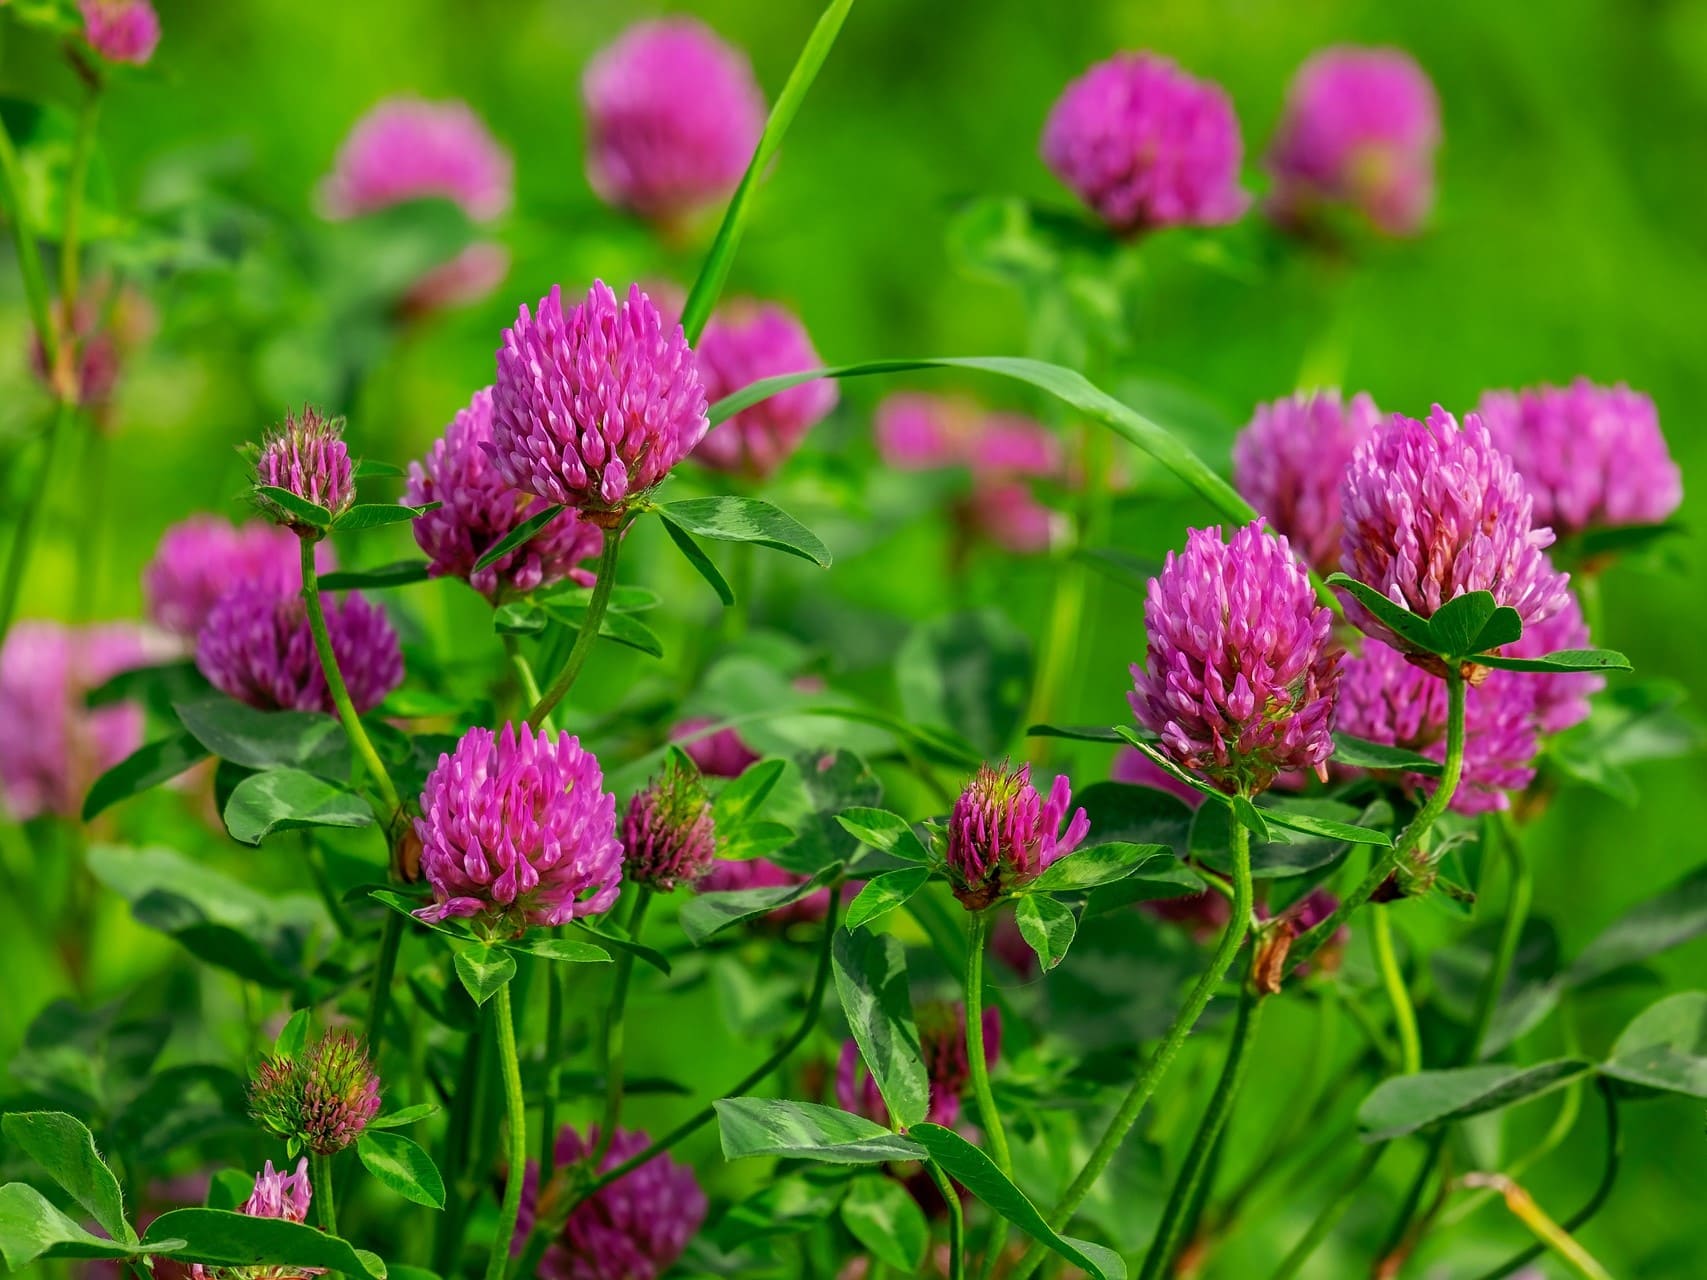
{"x":1568,"y":239}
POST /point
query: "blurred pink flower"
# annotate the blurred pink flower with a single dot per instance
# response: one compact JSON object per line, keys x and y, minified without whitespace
{"x":410,"y":149}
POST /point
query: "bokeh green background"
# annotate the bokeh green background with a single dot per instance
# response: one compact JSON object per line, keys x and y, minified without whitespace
{"x":1568,"y":239}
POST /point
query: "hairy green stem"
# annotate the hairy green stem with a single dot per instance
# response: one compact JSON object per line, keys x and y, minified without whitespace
{"x":341,"y":693}
{"x":1414,"y":831}
{"x":589,"y":633}
{"x":977,"y":939}
{"x":808,"y":1018}
{"x":1393,"y":982}
{"x":325,"y":1208}
{"x":1330,"y":1214}
{"x":553,"y":1040}
{"x":524,"y":675}
{"x":1156,"y":1066}
{"x":18,"y":555}
{"x":384,"y":972}
{"x":76,"y":179}
{"x":956,"y":1221}
{"x":516,"y":1109}
{"x":1159,"y":1261}
{"x":1402,"y":1236}
{"x":615,"y":1029}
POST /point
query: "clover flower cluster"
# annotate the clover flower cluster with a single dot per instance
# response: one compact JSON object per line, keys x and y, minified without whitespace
{"x":668,"y":834}
{"x":593,"y":406}
{"x":258,"y":646}
{"x":306,"y":456}
{"x":55,"y":745}
{"x":1146,"y":145}
{"x":673,"y":117}
{"x":517,"y":830}
{"x":276,"y":1194}
{"x":1241,"y":671}
{"x":480,"y":508}
{"x":1360,"y":131}
{"x":121,"y":30}
{"x":1433,"y":510}
{"x":408,"y":148}
{"x":199,"y":559}
{"x":633,"y":1229}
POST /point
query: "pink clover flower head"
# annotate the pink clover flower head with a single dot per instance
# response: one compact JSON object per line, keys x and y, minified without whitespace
{"x":593,"y":406}
{"x":744,"y":343}
{"x":1241,"y":670}
{"x":673,"y":118}
{"x":201,"y":558}
{"x":668,"y":835}
{"x":276,"y":1195}
{"x":257,"y":646}
{"x":55,"y":745}
{"x":1290,"y":461}
{"x":121,"y":30}
{"x":718,"y":755}
{"x":1591,"y":457}
{"x":481,"y":509}
{"x":408,"y":148}
{"x":1360,"y":129}
{"x":633,"y":1229}
{"x":1146,"y":145}
{"x":1385,"y":698}
{"x":308,"y":457}
{"x":516,"y":830}
{"x":1433,"y":510}
{"x":1003,"y":834}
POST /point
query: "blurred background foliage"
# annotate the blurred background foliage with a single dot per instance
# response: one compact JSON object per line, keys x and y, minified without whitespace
{"x":1568,"y":240}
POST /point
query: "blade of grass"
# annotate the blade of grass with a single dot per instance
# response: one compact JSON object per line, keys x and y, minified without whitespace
{"x":712,"y":275}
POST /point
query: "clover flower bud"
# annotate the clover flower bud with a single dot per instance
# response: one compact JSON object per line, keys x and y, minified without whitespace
{"x":668,"y":836}
{"x":307,"y":457}
{"x":323,"y":1098}
{"x":1003,"y":834}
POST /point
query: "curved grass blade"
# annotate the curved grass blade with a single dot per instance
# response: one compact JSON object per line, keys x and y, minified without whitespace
{"x":712,"y":275}
{"x":1066,"y":385}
